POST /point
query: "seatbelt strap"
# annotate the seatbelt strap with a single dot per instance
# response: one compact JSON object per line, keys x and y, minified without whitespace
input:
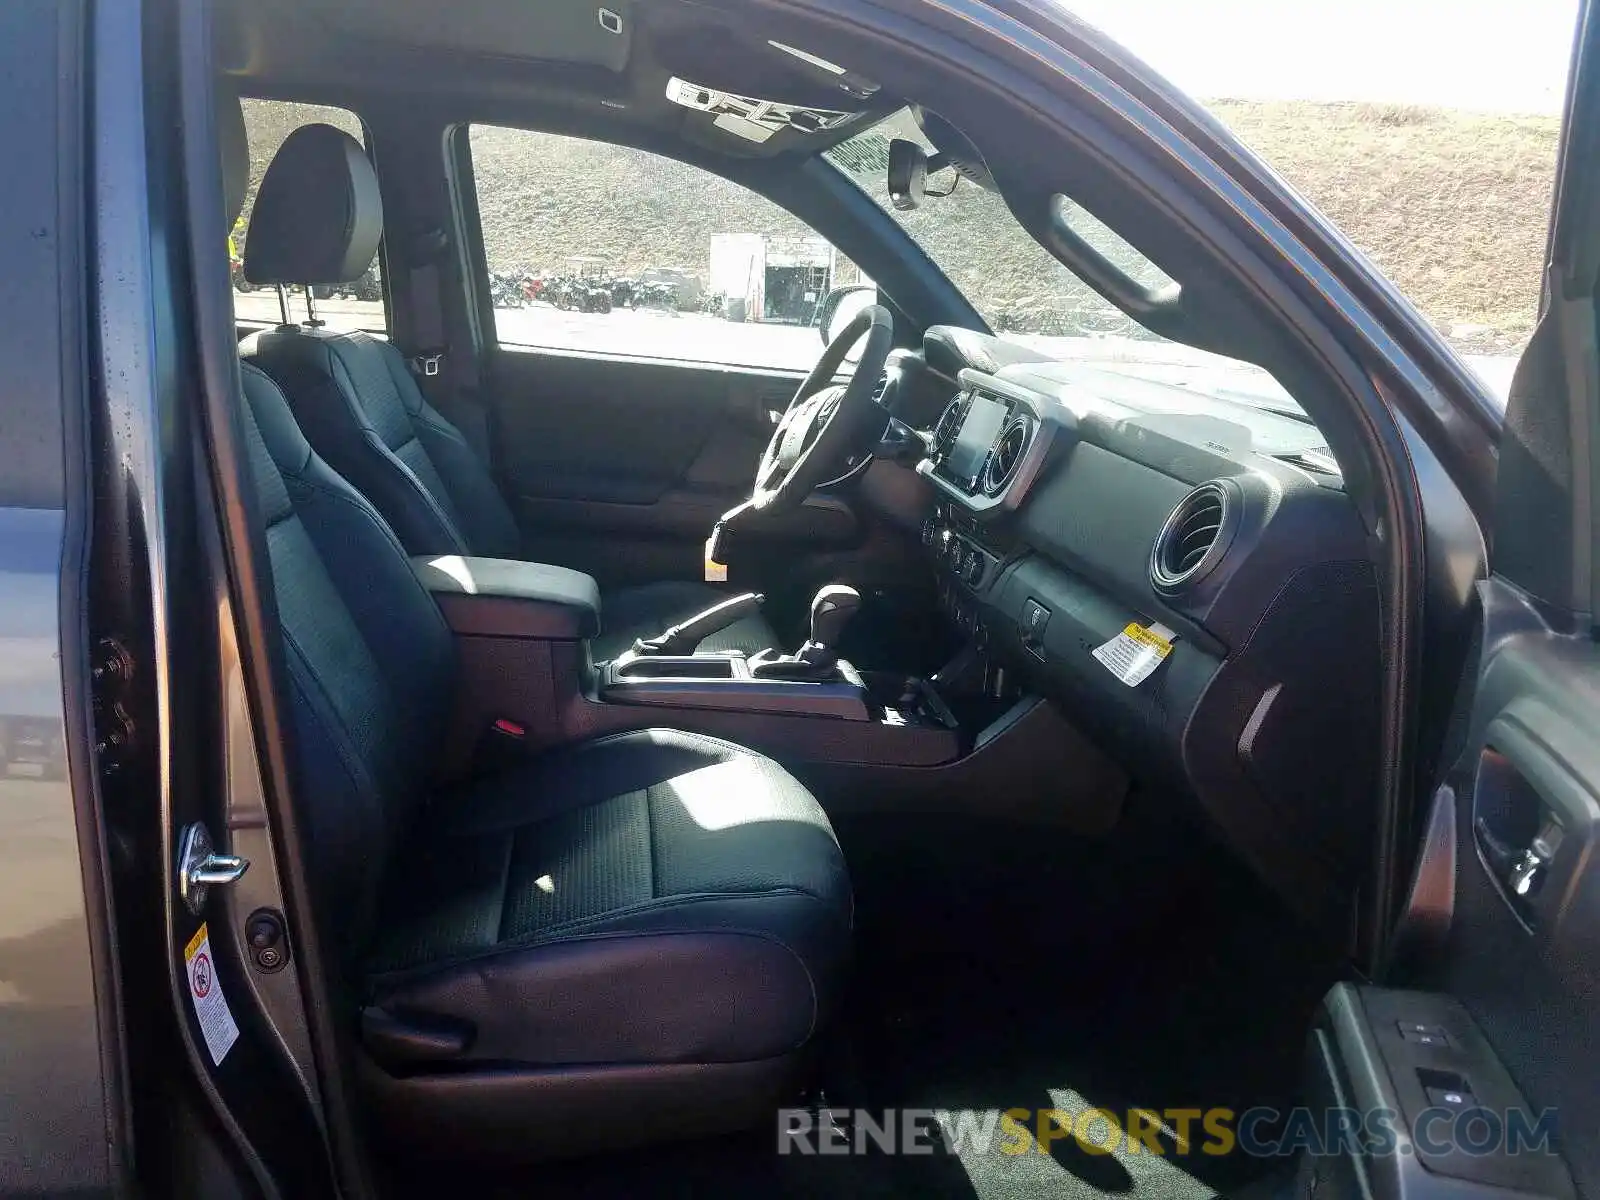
{"x":428,"y":342}
{"x":427,"y":322}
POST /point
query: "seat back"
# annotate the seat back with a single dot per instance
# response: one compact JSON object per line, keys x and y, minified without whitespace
{"x":370,"y":661}
{"x":318,"y":217}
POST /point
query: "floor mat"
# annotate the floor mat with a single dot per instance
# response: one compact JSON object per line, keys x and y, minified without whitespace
{"x":1149,"y":976}
{"x":1038,"y":980}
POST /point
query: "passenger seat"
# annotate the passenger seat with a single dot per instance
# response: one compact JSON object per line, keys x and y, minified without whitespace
{"x":318,"y":217}
{"x":632,"y":939}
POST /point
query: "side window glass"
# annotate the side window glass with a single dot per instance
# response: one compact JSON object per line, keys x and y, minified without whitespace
{"x":604,"y":249}
{"x":348,"y":306}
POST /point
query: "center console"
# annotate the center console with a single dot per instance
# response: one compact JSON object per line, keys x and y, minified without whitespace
{"x":523,"y":632}
{"x":989,"y":446}
{"x":867,"y":740}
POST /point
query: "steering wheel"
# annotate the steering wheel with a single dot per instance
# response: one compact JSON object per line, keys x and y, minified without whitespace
{"x":826,"y":422}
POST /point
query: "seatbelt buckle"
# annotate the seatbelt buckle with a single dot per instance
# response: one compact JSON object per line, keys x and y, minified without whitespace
{"x":716,"y":569}
{"x":426,"y":365}
{"x":501,"y":745}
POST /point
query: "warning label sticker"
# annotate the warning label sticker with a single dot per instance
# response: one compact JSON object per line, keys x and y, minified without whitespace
{"x":205,"y":989}
{"x":1134,"y":654}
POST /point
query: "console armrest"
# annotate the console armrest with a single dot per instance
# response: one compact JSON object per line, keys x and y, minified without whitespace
{"x":501,"y":597}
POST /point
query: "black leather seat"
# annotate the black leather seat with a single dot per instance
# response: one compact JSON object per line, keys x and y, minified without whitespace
{"x":631,"y":939}
{"x":651,"y":924}
{"x":318,"y":217}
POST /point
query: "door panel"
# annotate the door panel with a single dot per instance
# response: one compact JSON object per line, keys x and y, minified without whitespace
{"x":1520,"y":954}
{"x":1526,"y":966}
{"x":620,"y":466}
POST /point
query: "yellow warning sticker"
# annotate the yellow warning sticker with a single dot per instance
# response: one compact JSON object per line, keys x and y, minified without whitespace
{"x":1150,"y":638}
{"x":205,"y":990}
{"x":1134,"y":654}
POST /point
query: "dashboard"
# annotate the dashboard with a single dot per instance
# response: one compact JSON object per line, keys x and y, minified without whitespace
{"x":1071,"y":506}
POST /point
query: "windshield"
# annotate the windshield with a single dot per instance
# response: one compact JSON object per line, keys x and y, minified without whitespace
{"x":1425,"y":129}
{"x":1026,"y":295}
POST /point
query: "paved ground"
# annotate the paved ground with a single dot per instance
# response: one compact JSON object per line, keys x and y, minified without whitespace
{"x":702,"y":338}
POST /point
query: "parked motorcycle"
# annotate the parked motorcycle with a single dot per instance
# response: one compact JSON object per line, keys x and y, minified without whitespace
{"x":508,"y":289}
{"x":655,"y":294}
{"x":574,"y":294}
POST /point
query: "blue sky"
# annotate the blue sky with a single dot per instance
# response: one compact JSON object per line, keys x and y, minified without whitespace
{"x":1486,"y":55}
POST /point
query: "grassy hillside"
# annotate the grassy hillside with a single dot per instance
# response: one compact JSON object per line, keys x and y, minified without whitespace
{"x":1452,"y":206}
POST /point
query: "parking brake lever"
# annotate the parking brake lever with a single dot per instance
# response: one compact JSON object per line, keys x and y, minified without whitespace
{"x":685,"y":636}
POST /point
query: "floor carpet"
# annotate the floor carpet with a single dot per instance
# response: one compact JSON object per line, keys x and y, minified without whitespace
{"x":1001,"y":970}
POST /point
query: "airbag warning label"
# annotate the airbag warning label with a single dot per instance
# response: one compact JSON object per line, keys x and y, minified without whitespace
{"x":1134,"y":654}
{"x":205,"y":989}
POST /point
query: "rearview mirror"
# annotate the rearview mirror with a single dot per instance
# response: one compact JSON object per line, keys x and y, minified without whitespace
{"x":908,"y":174}
{"x":909,"y":168}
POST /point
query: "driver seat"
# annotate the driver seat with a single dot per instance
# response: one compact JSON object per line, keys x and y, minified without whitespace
{"x":318,"y":217}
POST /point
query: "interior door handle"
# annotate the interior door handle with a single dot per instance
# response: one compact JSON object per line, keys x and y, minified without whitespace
{"x":1521,"y":871}
{"x":1535,"y":821}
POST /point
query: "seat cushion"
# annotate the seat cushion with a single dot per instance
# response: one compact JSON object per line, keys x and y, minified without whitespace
{"x":650,"y":608}
{"x":652,"y":897}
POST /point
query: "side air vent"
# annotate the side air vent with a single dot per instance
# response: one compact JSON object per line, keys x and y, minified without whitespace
{"x":948,"y":425}
{"x":1006,"y":456}
{"x":1194,"y":539}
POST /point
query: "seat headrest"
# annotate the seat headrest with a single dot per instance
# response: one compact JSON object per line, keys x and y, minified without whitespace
{"x":318,"y":214}
{"x":234,"y":148}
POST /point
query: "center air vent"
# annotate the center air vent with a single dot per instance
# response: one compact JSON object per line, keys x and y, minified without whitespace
{"x":948,"y":425}
{"x":1194,"y":538}
{"x":1006,"y":456}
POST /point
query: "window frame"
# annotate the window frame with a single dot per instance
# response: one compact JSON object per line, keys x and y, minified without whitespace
{"x":810,"y":189}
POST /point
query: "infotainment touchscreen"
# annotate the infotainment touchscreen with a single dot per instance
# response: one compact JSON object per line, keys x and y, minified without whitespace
{"x":978,"y":432}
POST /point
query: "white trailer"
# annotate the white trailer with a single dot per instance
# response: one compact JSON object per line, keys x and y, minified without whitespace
{"x":764,"y":277}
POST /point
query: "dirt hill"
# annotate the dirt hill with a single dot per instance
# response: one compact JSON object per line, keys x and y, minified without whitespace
{"x":1452,"y":206}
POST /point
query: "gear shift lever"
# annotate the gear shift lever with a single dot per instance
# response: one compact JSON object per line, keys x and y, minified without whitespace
{"x":831,"y":610}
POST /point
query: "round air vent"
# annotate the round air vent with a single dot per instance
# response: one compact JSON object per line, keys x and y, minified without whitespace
{"x":1006,"y":456}
{"x":948,"y":425}
{"x":1194,"y":539}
